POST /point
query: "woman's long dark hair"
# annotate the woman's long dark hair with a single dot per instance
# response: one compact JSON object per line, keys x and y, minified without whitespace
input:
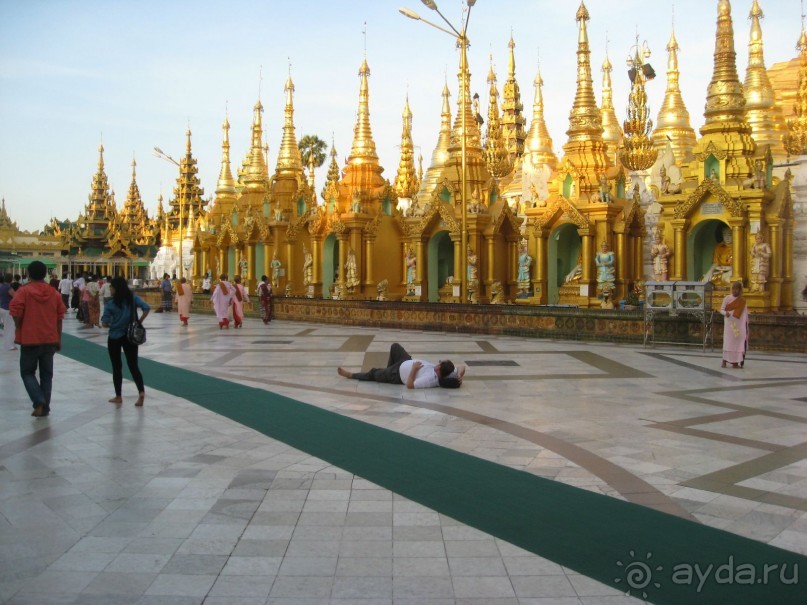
{"x":122,"y":292}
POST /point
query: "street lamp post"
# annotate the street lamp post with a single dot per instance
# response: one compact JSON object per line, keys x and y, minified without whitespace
{"x":462,"y":41}
{"x":164,"y":156}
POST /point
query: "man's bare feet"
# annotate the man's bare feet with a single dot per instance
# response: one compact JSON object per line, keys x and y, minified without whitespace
{"x":343,"y":372}
{"x":140,"y":399}
{"x":116,"y":400}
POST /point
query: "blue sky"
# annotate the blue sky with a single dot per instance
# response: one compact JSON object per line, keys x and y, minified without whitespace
{"x":140,"y":72}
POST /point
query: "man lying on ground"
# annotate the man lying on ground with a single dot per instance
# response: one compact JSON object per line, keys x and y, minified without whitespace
{"x":414,"y":373}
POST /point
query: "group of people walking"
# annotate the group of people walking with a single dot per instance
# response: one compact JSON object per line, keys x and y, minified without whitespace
{"x":233,"y":295}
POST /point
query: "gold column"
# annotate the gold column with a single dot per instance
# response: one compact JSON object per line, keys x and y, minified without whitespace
{"x":458,"y":262}
{"x":738,"y":249}
{"x":369,"y":282}
{"x":638,"y":269}
{"x":267,"y":259}
{"x":621,"y":265}
{"x":343,"y":244}
{"x":222,"y":261}
{"x":251,"y":267}
{"x":316,"y":274}
{"x":419,"y":271}
{"x":679,"y":249}
{"x":588,"y":260}
{"x":489,"y":261}
{"x":775,"y":266}
{"x":291,"y":270}
{"x":540,"y":265}
{"x":786,"y":303}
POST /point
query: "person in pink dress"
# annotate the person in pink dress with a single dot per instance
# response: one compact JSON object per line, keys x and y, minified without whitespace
{"x":222,"y":299}
{"x":239,"y":298}
{"x":184,"y":297}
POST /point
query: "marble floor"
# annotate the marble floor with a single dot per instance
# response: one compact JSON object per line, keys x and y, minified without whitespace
{"x":171,"y":503}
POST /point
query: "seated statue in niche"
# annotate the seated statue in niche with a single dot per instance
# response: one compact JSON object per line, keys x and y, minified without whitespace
{"x":758,"y":178}
{"x":760,"y":263}
{"x":475,"y":206}
{"x":720,"y":272}
{"x":383,"y":290}
{"x":497,"y":293}
{"x":667,"y":186}
{"x":576,"y":274}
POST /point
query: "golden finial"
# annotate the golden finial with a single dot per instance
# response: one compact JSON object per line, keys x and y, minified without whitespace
{"x":225,"y":190}
{"x":363,"y":149}
{"x":638,"y":152}
{"x":101,"y":157}
{"x":672,"y":123}
{"x":496,"y":153}
{"x":761,"y":110}
{"x":725,"y":103}
{"x":611,"y":132}
{"x":254,"y":171}
{"x":795,"y":139}
{"x":539,"y":146}
{"x":406,"y":184}
{"x":585,"y":148}
{"x":134,"y":165}
{"x":329,"y":191}
{"x":512,"y":120}
{"x":440,"y":154}
{"x":289,"y":161}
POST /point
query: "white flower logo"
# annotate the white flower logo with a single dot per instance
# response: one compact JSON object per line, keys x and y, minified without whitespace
{"x":638,"y":575}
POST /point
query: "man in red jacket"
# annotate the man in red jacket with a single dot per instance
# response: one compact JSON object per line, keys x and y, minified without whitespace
{"x":38,"y":311}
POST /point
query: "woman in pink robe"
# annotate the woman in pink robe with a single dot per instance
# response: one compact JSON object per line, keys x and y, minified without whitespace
{"x":221,"y":299}
{"x":184,"y":297}
{"x":239,"y":298}
{"x":735,"y":327}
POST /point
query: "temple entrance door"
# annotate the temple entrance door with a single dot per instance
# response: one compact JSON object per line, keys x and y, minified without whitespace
{"x":440,"y":263}
{"x":563,"y":251}
{"x":330,"y":264}
{"x":701,"y":242}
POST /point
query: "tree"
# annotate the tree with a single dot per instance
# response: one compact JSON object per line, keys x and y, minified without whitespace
{"x":310,"y":145}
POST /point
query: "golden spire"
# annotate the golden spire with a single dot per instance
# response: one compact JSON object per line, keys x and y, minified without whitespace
{"x":363,"y":150}
{"x":725,"y":103}
{"x":440,"y":154}
{"x":513,"y":119}
{"x":496,"y":153}
{"x":254,"y":171}
{"x":473,"y":138}
{"x":406,"y":183}
{"x":225,"y":190}
{"x":539,"y":146}
{"x":134,"y":217}
{"x":187,"y":190}
{"x":585,"y":147}
{"x":638,"y":152}
{"x":763,"y":114}
{"x":288,"y":158}
{"x":329,"y":191}
{"x":612,"y":133}
{"x":673,"y":123}
{"x":796,"y":138}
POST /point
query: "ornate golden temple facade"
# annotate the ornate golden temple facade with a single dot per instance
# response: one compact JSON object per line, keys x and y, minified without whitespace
{"x":682,"y":189}
{"x":541,"y":230}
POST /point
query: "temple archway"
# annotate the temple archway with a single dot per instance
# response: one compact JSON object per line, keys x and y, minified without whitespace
{"x":701,"y":242}
{"x":440,"y":263}
{"x":564,"y":248}
{"x":330,"y":264}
